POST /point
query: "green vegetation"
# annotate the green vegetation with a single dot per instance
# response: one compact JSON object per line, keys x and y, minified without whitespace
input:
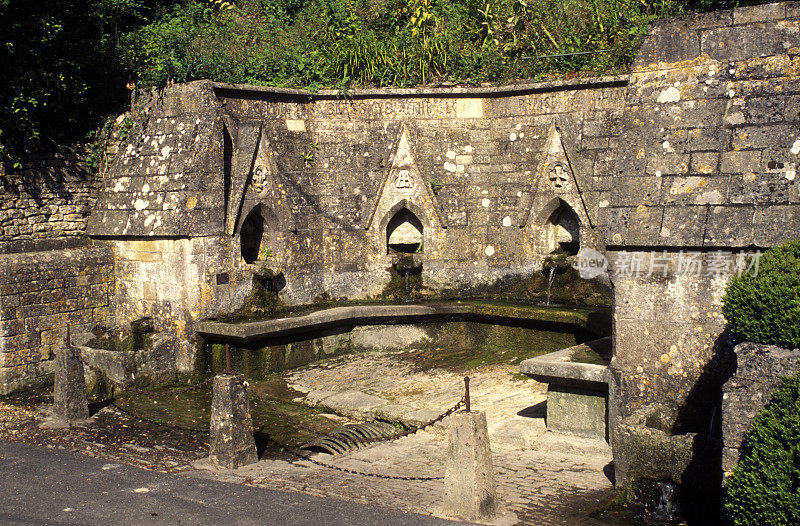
{"x":764,"y":486}
{"x":62,"y":67}
{"x":765,"y":308}
{"x":285,"y":422}
{"x":66,"y":64}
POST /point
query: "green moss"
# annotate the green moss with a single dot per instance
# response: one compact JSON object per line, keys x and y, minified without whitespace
{"x":463,"y":346}
{"x":111,"y":341}
{"x":592,"y":357}
{"x":284,"y":422}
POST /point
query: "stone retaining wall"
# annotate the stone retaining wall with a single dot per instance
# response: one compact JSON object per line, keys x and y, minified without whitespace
{"x":48,"y":199}
{"x":709,"y":169}
{"x":41,"y":293}
{"x":323,"y":174}
{"x":759,"y":371}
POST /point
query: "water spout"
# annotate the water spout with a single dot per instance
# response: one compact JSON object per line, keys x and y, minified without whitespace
{"x":550,"y":283}
{"x":407,"y":284}
{"x":667,"y":507}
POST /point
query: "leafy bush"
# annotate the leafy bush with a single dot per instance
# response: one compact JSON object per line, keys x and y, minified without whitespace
{"x":336,"y":43}
{"x":61,"y":70}
{"x":53,"y":88}
{"x":764,"y":486}
{"x":765,"y":308}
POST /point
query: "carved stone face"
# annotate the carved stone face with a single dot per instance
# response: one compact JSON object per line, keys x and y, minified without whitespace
{"x":259,"y":178}
{"x":558,"y":175}
{"x":404,"y":181}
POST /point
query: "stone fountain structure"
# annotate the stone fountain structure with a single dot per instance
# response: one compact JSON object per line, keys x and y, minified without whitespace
{"x":674,"y":172}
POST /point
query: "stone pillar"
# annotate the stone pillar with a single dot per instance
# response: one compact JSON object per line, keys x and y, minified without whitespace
{"x":470,"y":491}
{"x":69,"y":387}
{"x":232,"y":442}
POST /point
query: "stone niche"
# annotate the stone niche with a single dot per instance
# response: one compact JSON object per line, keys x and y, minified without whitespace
{"x":404,"y":233}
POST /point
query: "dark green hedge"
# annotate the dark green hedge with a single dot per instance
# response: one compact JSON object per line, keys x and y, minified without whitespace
{"x":765,"y":308}
{"x":765,"y":487}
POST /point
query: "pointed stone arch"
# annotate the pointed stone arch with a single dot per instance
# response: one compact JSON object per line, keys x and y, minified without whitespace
{"x":405,"y":187}
{"x":251,"y":235}
{"x":562,"y":227}
{"x":404,"y":215}
{"x":251,"y":175}
{"x":404,"y":182}
{"x":555,"y":182}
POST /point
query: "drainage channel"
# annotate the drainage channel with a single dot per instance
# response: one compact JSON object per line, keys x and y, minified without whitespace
{"x":353,"y":436}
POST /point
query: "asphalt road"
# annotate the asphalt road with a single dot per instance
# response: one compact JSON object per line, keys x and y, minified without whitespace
{"x":44,"y":486}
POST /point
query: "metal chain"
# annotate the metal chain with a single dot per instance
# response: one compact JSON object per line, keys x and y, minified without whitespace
{"x":294,"y":451}
{"x":361,"y":473}
{"x":307,"y":457}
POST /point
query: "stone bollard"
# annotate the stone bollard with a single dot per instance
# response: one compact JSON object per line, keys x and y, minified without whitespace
{"x":470,"y":492}
{"x":232,"y":442}
{"x":69,"y":388}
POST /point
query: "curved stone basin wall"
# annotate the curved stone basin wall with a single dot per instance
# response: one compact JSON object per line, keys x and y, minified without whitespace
{"x":447,"y":335}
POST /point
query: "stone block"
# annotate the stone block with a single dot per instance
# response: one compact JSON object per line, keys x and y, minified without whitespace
{"x":232,"y":444}
{"x":776,"y":224}
{"x":69,"y":387}
{"x":729,"y":226}
{"x":645,"y":447}
{"x":470,"y":488}
{"x":576,"y":411}
{"x":759,"y":13}
{"x":683,"y":226}
{"x":469,"y":108}
{"x":759,"y":371}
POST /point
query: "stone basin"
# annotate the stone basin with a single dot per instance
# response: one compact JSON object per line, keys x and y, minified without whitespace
{"x":393,"y":314}
{"x":443,"y":331}
{"x":577,"y":392}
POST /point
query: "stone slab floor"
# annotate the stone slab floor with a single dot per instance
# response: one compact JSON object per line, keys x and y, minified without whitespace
{"x":543,"y":478}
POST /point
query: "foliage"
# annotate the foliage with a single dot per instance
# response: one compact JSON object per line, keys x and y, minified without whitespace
{"x":764,"y":487}
{"x":54,"y":88}
{"x":61,"y":69}
{"x":337,"y":43}
{"x":765,"y":308}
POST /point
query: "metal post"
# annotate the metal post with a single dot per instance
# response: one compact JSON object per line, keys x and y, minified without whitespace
{"x":228,"y":358}
{"x":466,"y":393}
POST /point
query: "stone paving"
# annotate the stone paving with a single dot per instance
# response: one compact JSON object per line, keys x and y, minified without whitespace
{"x":547,"y":485}
{"x":543,"y":478}
{"x":379,"y":384}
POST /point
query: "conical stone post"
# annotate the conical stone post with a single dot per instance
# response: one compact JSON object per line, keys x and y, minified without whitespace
{"x":232,"y":442}
{"x":470,"y":490}
{"x":69,"y":387}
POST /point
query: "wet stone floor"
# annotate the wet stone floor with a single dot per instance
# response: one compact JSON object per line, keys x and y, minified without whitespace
{"x":543,"y":478}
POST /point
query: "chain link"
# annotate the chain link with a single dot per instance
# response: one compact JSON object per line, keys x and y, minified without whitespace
{"x":295,"y":452}
{"x":361,"y":473}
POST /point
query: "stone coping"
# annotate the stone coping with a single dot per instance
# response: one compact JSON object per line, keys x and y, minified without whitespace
{"x":556,"y":367}
{"x":386,"y":314}
{"x":459,"y":91}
